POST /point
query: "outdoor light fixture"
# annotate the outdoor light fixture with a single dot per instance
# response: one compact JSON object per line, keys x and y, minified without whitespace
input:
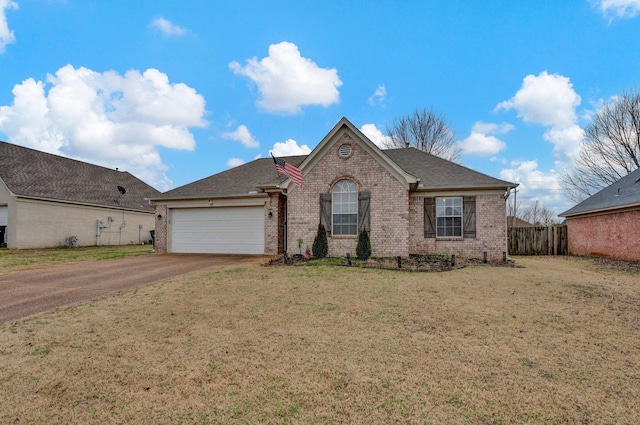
{"x":270,"y":214}
{"x":159,"y":216}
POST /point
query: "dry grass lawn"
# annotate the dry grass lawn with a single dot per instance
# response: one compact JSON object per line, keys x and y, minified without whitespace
{"x":554,"y":342}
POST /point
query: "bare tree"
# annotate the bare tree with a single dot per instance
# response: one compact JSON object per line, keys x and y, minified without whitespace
{"x":548,"y":217}
{"x":535,"y":213}
{"x":610,"y":149}
{"x":425,"y":130}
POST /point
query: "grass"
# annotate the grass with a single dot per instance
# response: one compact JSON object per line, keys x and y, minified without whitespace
{"x":554,"y":342}
{"x":12,"y":260}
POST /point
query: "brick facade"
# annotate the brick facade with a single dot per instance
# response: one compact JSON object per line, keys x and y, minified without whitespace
{"x":396,"y":204}
{"x":161,"y":228}
{"x":389,"y":206}
{"x":490,"y":237}
{"x":274,"y":222}
{"x":614,"y":235}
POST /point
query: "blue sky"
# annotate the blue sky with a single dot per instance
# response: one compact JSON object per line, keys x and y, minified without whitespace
{"x":177,"y":91}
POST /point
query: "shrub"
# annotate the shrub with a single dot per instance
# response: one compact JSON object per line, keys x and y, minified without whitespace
{"x":363,"y":249}
{"x":320,"y":243}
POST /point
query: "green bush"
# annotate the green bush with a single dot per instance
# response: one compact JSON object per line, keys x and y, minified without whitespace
{"x":320,"y":246}
{"x":363,"y":249}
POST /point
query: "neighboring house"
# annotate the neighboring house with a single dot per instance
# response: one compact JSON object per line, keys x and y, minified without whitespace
{"x":513,"y":221}
{"x":46,"y":199}
{"x":608,"y":223}
{"x":409,"y":201}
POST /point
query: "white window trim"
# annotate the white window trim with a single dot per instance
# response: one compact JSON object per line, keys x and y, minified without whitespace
{"x":333,"y":213}
{"x":439,"y":199}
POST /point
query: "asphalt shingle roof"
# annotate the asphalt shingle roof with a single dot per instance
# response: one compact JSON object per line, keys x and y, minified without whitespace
{"x":623,"y":193}
{"x":433,"y":172}
{"x":31,"y":173}
{"x":236,"y":181}
{"x":438,"y":173}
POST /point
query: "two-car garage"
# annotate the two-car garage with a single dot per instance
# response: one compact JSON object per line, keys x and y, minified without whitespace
{"x":216,"y":230}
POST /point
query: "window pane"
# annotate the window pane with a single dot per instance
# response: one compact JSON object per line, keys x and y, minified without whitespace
{"x":449,"y":217}
{"x":345,"y":208}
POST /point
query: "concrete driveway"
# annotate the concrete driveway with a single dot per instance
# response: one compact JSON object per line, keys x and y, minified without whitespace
{"x":23,"y":294}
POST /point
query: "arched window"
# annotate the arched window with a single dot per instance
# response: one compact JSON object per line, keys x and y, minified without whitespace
{"x":344,"y":200}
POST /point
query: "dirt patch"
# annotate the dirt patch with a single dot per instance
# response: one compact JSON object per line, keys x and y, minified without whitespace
{"x":555,"y":341}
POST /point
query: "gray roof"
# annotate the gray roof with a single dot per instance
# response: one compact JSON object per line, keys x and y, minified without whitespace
{"x":437,"y":173}
{"x":622,"y":194}
{"x":434,"y":173}
{"x":237,"y":181}
{"x":31,"y":173}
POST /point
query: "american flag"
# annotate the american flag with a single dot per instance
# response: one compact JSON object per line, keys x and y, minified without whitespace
{"x":288,"y":170}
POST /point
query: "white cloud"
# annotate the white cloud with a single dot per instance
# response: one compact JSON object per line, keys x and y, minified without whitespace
{"x":289,"y":148}
{"x":242,"y":135}
{"x":234,"y":162}
{"x":618,"y":8}
{"x":167,"y":27}
{"x":6,"y":35}
{"x":376,"y":136}
{"x":566,"y":140}
{"x":544,"y":186}
{"x":549,"y":99}
{"x":287,"y":81}
{"x":378,"y":97}
{"x":492,"y":128}
{"x":106,"y":118}
{"x":481,"y":142}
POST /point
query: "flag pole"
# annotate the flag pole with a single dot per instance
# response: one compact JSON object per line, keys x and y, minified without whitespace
{"x":279,"y":175}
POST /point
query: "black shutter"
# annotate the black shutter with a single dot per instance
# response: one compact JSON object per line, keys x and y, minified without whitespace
{"x":325,"y":211}
{"x":469,"y":216}
{"x":364,"y":220}
{"x":430,"y":217}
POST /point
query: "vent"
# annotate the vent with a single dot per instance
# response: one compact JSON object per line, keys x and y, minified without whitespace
{"x":344,"y":151}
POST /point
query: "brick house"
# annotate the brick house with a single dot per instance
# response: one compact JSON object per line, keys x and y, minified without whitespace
{"x":45,"y":199}
{"x":608,"y":223}
{"x":409,"y":201}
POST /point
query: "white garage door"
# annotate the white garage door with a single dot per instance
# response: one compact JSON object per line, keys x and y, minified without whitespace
{"x":219,"y":230}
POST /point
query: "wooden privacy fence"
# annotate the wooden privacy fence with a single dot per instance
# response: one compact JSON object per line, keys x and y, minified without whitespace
{"x":538,"y":240}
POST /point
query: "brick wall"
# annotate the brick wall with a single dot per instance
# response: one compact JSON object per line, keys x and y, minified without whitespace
{"x":389,"y":206}
{"x":614,"y":235}
{"x":274,"y":225}
{"x":161,"y":229}
{"x":490,"y":231}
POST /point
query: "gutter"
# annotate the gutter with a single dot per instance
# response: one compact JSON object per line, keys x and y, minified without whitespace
{"x":600,"y":211}
{"x":85,"y":204}
{"x":205,"y":197}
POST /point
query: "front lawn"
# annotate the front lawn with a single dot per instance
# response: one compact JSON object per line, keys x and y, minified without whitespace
{"x":553,"y":342}
{"x":12,"y":260}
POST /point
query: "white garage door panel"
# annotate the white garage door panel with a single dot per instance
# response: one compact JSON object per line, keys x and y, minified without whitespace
{"x":233,"y":230}
{"x":4,"y":216}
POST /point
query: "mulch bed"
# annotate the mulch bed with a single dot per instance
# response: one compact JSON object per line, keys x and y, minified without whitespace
{"x":413,"y":263}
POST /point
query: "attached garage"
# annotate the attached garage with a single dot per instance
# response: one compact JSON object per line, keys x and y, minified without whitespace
{"x":217,"y":230}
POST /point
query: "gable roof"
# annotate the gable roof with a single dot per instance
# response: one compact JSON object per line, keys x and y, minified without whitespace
{"x":417,"y":169}
{"x":345,"y":126}
{"x":35,"y":174}
{"x":624,"y":193}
